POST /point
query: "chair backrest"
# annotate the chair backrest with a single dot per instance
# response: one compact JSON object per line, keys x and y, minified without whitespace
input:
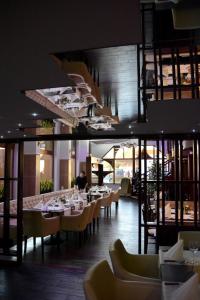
{"x":125,"y":186}
{"x":92,"y":208}
{"x":188,"y":237}
{"x":32,"y":222}
{"x":97,"y":208}
{"x":118,"y":255}
{"x":86,"y":215}
{"x":115,"y":196}
{"x":99,"y":282}
{"x":106,"y":200}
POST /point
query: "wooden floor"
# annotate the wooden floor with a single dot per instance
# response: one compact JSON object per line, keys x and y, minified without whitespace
{"x":60,"y":276}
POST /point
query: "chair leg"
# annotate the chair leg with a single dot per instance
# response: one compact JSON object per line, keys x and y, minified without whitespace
{"x":94,"y":225}
{"x":85,"y":233}
{"x":25,"y":245}
{"x":116,"y":204}
{"x":80,"y":238}
{"x":90,"y":228}
{"x":58,"y":239}
{"x":97,"y":223}
{"x":42,"y":246}
{"x":34,"y":243}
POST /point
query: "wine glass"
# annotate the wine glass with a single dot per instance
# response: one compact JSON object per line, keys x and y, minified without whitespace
{"x":194,"y":247}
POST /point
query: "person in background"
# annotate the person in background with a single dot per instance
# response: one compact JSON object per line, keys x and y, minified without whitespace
{"x":81,"y":181}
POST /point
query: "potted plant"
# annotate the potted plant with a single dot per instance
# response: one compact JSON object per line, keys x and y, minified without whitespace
{"x":46,"y":127}
{"x":46,"y":186}
{"x":73,"y":182}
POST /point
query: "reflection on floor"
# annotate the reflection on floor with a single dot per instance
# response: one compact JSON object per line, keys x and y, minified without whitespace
{"x":60,"y":276}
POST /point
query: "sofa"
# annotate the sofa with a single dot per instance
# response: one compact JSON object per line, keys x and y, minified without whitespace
{"x":30,"y":202}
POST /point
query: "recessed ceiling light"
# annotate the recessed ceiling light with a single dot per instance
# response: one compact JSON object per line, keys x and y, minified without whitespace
{"x":162,"y":131}
{"x":34,"y":114}
{"x":24,"y":135}
{"x":193,"y":130}
{"x":1,"y":136}
{"x":131,"y":132}
{"x":130,"y":126}
{"x":8,"y":131}
{"x":19,"y":124}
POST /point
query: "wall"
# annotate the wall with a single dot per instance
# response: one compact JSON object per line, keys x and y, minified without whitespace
{"x":31,"y":169}
{"x":82,"y":151}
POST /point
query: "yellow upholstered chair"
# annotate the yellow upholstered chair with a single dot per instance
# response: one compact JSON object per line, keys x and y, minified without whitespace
{"x":115,"y":197}
{"x":36,"y":225}
{"x":101,"y":284}
{"x":189,"y":237}
{"x":91,"y":215}
{"x":77,"y":223}
{"x":133,"y":267}
{"x":106,"y":202}
{"x":97,"y":210}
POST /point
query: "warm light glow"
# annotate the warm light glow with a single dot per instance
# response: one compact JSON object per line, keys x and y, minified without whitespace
{"x":42,"y":164}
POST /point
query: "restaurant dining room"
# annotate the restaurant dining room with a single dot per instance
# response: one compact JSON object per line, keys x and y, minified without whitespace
{"x":100,"y":150}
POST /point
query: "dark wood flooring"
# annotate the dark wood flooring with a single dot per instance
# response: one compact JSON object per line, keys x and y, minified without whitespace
{"x":60,"y":276}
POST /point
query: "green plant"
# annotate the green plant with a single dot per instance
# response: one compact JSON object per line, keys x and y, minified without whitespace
{"x":73,"y":182}
{"x":47,"y":124}
{"x":152,"y":175}
{"x":46,"y":186}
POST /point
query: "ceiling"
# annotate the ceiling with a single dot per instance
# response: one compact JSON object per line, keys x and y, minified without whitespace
{"x":30,"y":31}
{"x":117,"y":67}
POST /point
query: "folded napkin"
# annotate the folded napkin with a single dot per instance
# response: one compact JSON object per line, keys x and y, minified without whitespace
{"x":174,"y":253}
{"x":189,"y":290}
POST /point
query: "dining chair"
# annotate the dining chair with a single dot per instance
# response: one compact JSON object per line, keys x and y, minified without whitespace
{"x":106,"y":202}
{"x":189,"y":237}
{"x":134,"y":267}
{"x":115,"y":198}
{"x":36,"y":225}
{"x":96,"y":214}
{"x":91,"y":215}
{"x":76,"y":223}
{"x":101,"y":284}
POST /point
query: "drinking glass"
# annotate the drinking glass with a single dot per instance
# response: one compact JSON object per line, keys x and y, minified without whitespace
{"x":194,"y":247}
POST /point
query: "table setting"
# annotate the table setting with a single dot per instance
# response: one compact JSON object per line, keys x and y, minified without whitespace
{"x":180,"y":270}
{"x":62,"y":205}
{"x":99,"y":191}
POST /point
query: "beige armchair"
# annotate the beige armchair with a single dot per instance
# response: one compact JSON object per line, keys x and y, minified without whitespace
{"x":101,"y":284}
{"x":133,"y":267}
{"x":115,"y":197}
{"x":91,"y":215}
{"x":125,"y":187}
{"x":36,"y":225}
{"x":77,"y":223}
{"x":97,"y":210}
{"x":188,"y":237}
{"x":106,"y":204}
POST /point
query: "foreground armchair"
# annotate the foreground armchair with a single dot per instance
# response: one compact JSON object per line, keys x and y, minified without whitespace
{"x":133,"y":267}
{"x":101,"y":284}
